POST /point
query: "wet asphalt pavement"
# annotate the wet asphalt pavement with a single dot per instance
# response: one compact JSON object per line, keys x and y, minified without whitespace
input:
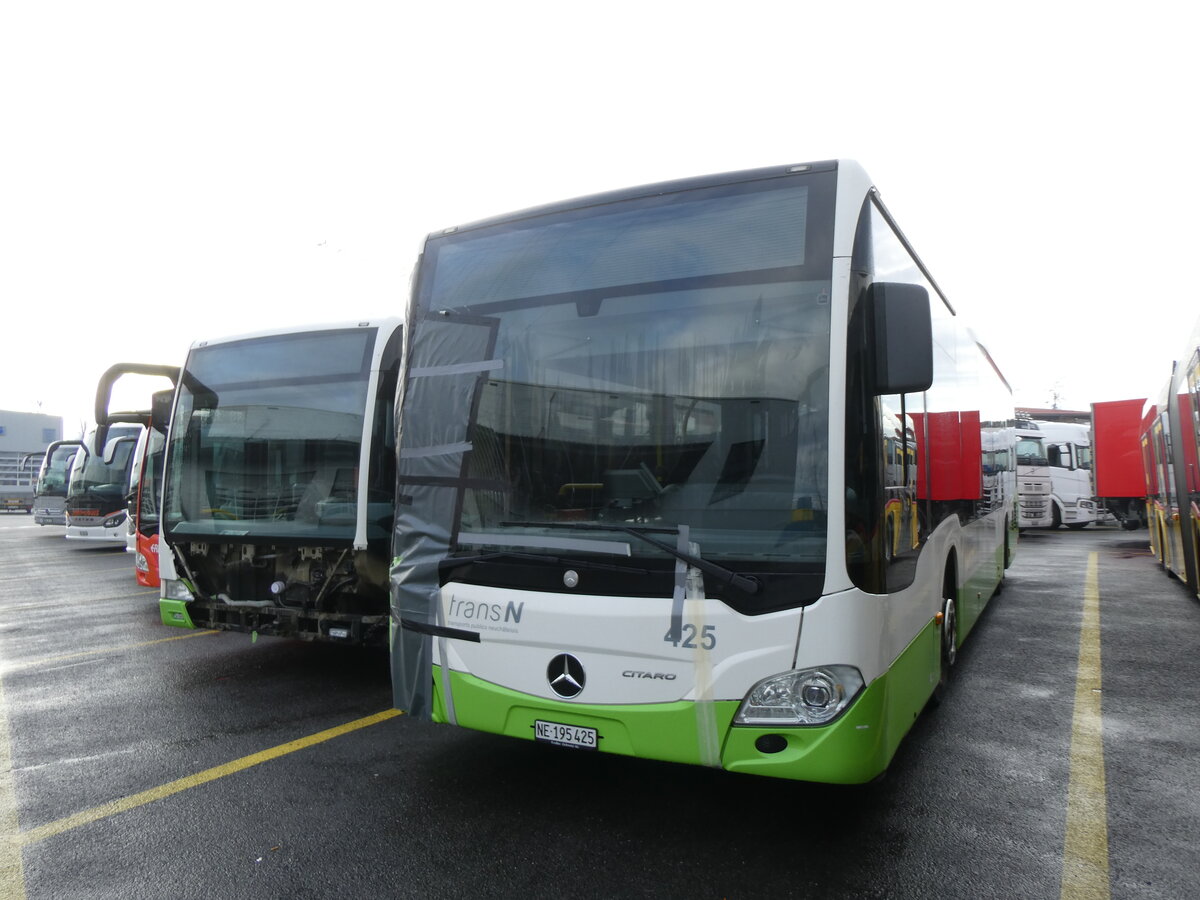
{"x":139,"y":761}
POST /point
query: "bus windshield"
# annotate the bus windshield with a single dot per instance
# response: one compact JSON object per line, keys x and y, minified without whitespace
{"x":663,"y":363}
{"x":265,"y":437}
{"x":52,"y":479}
{"x":151,"y":481}
{"x":92,"y":475}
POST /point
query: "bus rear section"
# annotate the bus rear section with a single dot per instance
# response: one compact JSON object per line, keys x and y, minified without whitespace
{"x":686,"y":473}
{"x":278,"y":486}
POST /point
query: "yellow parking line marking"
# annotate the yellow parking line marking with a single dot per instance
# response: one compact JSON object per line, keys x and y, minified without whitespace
{"x":116,"y":648}
{"x":1085,"y":847}
{"x":12,"y":874}
{"x":124,"y":804}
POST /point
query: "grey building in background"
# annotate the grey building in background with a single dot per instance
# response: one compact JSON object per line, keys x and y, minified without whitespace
{"x":24,"y":438}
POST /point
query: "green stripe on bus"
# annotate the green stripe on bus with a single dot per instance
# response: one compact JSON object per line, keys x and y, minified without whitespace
{"x":854,"y":749}
{"x":175,"y":612}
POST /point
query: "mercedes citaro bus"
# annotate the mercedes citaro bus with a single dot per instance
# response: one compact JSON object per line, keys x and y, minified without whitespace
{"x":695,"y":471}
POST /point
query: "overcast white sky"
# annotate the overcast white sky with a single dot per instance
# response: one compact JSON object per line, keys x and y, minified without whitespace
{"x":174,"y":171}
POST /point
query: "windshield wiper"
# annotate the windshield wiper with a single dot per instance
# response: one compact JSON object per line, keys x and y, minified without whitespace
{"x":745,"y":583}
{"x":452,"y":561}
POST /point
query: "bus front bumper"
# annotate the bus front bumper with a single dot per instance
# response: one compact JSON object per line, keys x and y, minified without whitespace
{"x":849,"y":750}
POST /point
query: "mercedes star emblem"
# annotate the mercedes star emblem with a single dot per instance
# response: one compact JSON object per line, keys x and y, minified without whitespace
{"x":565,"y":674}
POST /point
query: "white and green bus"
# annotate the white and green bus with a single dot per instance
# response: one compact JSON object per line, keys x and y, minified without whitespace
{"x":696,"y":472}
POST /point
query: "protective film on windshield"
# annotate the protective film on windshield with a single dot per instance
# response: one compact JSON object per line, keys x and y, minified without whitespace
{"x":657,"y":365}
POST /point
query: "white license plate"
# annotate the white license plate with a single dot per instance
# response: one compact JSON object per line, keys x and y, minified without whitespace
{"x":565,"y":735}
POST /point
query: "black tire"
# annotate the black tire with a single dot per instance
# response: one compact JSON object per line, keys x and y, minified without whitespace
{"x":1006,"y":561}
{"x":948,"y":641}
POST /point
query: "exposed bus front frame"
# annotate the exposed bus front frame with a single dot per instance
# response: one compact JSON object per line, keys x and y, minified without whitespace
{"x":279,"y":475}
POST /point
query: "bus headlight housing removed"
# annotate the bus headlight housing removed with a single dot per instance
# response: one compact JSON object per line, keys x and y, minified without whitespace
{"x":804,"y":697}
{"x":176,"y":590}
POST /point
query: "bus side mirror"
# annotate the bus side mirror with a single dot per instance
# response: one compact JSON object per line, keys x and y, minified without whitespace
{"x":903,"y":337}
{"x":110,"y":449}
{"x":160,"y":410}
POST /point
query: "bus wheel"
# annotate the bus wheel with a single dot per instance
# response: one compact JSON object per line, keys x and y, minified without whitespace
{"x":1006,"y":561}
{"x":949,"y":645}
{"x":949,"y":635}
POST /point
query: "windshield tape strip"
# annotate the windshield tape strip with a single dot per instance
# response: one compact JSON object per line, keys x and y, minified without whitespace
{"x":467,"y":368}
{"x":440,"y":450}
{"x":447,"y":691}
{"x":611,"y":548}
{"x":675,"y":633}
{"x":707,"y":737}
{"x":441,"y":631}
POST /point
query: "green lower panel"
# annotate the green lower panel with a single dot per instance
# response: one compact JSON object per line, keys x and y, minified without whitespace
{"x":852,"y":750}
{"x":975,"y":594}
{"x":175,"y":612}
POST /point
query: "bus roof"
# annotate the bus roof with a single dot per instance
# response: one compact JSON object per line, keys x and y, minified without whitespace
{"x":387,"y":324}
{"x":645,"y":190}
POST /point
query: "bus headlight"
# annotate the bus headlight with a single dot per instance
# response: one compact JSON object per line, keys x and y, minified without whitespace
{"x":176,"y":590}
{"x":114,"y":520}
{"x":140,"y":563}
{"x":804,"y":697}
